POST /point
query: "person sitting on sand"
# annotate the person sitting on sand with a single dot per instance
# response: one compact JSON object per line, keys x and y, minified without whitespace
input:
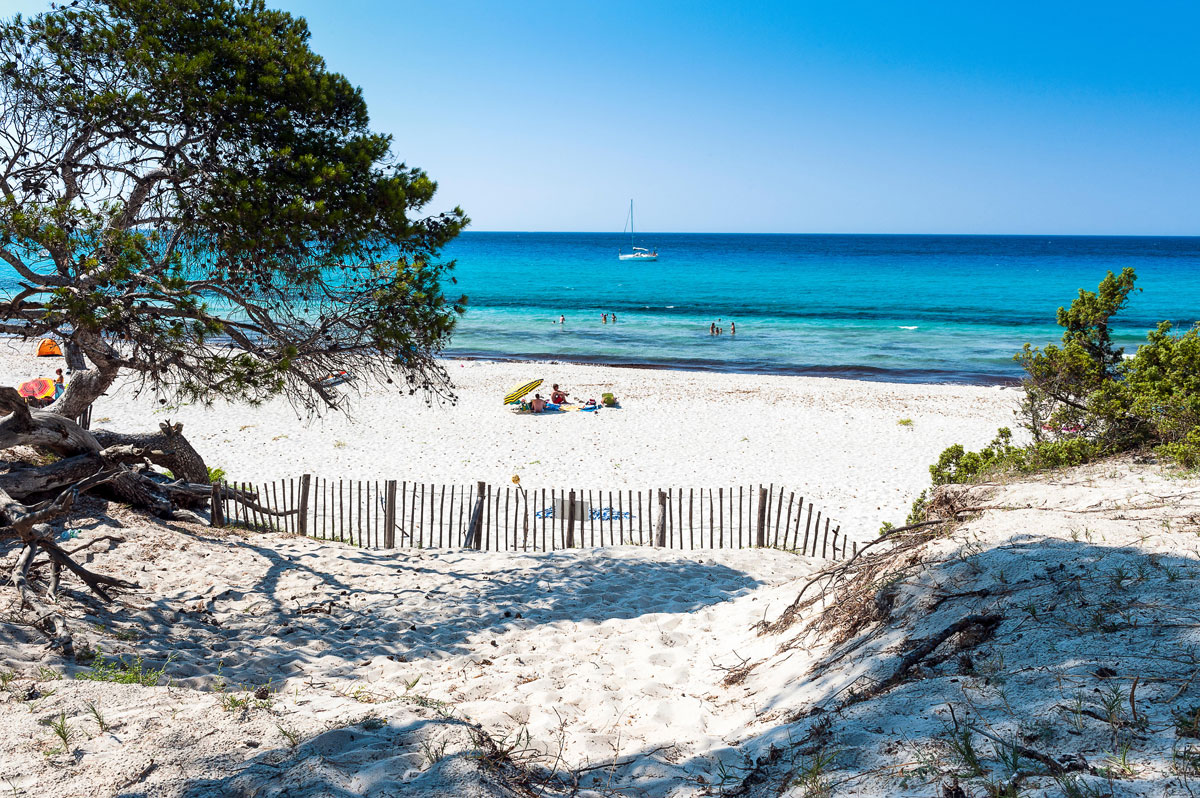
{"x":558,"y":396}
{"x":538,"y":405}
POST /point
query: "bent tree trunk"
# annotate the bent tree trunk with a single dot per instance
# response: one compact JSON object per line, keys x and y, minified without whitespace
{"x":166,"y":448}
{"x":85,"y":387}
{"x":88,"y":381}
{"x":34,"y":497}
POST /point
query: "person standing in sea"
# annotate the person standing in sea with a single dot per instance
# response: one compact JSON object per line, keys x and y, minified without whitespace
{"x":732,"y":328}
{"x":614,"y":317}
{"x":604,"y":317}
{"x":562,"y":319}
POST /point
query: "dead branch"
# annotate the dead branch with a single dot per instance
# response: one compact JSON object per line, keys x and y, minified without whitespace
{"x":986,"y":624}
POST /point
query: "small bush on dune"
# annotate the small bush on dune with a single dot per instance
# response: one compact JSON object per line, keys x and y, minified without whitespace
{"x":1085,"y":400}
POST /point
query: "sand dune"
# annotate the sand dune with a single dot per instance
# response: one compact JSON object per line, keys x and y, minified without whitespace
{"x":292,"y":667}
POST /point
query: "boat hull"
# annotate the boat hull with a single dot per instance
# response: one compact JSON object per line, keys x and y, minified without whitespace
{"x":637,"y":257}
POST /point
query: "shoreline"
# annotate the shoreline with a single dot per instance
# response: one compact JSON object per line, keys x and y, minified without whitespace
{"x":850,"y":373}
{"x":858,"y":449}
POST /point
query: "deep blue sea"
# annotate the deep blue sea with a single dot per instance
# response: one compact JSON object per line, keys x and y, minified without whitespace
{"x":890,"y":307}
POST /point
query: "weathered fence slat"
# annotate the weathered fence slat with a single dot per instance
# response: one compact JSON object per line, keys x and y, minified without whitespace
{"x":760,"y":529}
{"x":660,"y":538}
{"x":305,"y":483}
{"x":570,"y":538}
{"x":504,"y":518}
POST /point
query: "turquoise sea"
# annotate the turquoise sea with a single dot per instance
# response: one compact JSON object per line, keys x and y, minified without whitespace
{"x":904,"y":308}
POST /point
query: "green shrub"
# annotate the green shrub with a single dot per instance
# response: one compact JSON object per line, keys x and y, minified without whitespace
{"x":956,"y":464}
{"x":1186,"y":452}
{"x":1085,"y":400}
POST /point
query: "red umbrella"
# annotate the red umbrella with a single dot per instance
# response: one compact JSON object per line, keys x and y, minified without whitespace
{"x":41,"y":388}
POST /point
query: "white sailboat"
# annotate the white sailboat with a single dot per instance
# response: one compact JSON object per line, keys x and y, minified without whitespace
{"x":638,"y":253}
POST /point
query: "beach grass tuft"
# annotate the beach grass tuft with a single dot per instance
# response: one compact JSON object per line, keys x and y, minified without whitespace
{"x":124,"y":671}
{"x":101,"y":723}
{"x":62,"y":730}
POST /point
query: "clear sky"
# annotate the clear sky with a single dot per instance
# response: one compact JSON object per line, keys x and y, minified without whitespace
{"x":908,"y":117}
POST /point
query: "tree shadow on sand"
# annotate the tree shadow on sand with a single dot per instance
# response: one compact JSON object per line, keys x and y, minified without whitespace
{"x":296,"y":617}
{"x":1053,"y":678}
{"x":1073,"y":667}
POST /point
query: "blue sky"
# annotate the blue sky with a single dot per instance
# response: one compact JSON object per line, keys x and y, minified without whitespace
{"x":786,"y":117}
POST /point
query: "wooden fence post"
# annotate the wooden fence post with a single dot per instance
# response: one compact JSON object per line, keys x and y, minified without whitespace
{"x":474,"y":537}
{"x":660,"y":538}
{"x":216,"y":517}
{"x":305,"y":486}
{"x":571,"y":521}
{"x":761,"y":530}
{"x":389,"y":515}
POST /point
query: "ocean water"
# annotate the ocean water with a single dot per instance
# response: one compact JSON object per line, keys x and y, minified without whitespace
{"x":901,"y":308}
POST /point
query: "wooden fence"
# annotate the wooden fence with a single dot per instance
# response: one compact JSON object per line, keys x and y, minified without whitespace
{"x":391,"y":514}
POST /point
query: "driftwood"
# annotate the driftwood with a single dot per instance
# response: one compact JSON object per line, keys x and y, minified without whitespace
{"x":30,"y":526}
{"x":34,"y":497}
{"x":985,"y":624}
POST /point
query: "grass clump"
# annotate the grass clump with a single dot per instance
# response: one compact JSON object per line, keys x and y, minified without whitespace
{"x":97,"y":716}
{"x":1187,"y":722}
{"x":62,"y":730}
{"x":291,"y":735}
{"x":905,"y":422}
{"x":123,"y":671}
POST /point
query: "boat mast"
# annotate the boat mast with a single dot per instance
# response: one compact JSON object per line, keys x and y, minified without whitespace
{"x":630,"y":221}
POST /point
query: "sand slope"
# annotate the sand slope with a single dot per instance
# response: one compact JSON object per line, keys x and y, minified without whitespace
{"x":640,"y":672}
{"x":582,"y":656}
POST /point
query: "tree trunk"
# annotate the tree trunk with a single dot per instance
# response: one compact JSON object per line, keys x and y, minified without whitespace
{"x":166,"y":448}
{"x":22,"y":481}
{"x":41,"y":428}
{"x":85,"y":386}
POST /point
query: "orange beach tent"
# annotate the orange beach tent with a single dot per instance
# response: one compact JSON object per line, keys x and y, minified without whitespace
{"x":48,"y":348}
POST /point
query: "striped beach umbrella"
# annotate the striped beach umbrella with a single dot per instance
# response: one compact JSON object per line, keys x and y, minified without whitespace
{"x":40,"y":388}
{"x":517,"y":393}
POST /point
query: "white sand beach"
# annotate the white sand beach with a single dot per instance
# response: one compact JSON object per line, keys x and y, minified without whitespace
{"x":300,"y":668}
{"x":278,"y":665}
{"x":838,"y":442}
